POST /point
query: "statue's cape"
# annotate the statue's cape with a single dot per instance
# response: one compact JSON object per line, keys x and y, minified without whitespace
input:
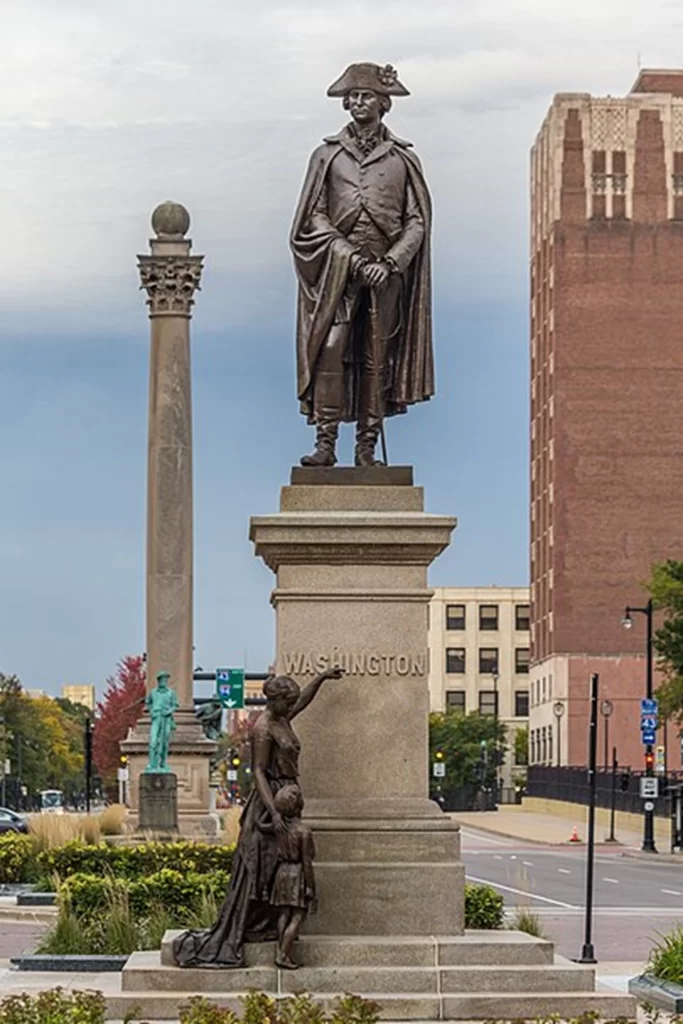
{"x":322,"y":269}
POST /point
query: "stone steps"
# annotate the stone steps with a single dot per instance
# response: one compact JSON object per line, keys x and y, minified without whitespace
{"x":476,"y":976}
{"x":145,"y":973}
{"x":476,"y":948}
{"x":163,"y":1006}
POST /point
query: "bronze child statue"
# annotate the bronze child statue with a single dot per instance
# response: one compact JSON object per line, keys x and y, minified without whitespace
{"x":293,"y":893}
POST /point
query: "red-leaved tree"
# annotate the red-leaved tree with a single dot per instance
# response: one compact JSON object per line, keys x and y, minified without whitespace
{"x":120,"y":709}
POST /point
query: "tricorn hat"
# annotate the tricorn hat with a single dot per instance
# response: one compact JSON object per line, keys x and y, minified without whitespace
{"x":369,"y":76}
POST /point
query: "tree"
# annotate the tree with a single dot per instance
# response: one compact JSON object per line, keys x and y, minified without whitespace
{"x":666,"y":589}
{"x":118,"y":712}
{"x":522,"y":746}
{"x":463,"y":739}
{"x":43,"y":744}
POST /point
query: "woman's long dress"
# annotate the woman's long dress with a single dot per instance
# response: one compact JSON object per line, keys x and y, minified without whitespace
{"x":246,"y":914}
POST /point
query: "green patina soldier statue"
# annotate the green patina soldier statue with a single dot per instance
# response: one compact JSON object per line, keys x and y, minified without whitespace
{"x":361,"y":247}
{"x":160,"y":702}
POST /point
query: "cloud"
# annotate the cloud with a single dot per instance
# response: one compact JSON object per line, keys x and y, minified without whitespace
{"x":108,"y":108}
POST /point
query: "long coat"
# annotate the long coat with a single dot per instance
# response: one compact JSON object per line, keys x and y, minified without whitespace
{"x":322,"y":262}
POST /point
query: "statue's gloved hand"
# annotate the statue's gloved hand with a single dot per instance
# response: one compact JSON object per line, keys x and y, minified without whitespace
{"x":357,"y":263}
{"x":376,"y":275}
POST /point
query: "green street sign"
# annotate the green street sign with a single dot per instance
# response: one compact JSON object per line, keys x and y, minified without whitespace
{"x":230,"y":687}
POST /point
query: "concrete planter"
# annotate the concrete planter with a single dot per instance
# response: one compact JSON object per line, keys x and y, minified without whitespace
{"x":665,"y":995}
{"x":75,"y":963}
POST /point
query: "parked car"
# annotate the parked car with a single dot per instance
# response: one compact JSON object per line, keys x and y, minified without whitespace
{"x":10,"y":821}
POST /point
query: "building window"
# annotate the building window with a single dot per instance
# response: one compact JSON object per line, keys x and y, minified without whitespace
{"x":488,"y":702}
{"x":522,"y":618}
{"x":455,"y":661}
{"x":522,"y":661}
{"x":455,"y":616}
{"x":455,"y":700}
{"x":488,"y":616}
{"x":521,"y":703}
{"x":488,"y":660}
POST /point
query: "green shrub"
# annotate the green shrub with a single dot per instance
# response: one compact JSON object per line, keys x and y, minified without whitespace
{"x":525,"y":920}
{"x":483,"y":907}
{"x":666,"y":958}
{"x":181,"y":894}
{"x":297,"y":1009}
{"x":134,"y":861}
{"x":54,"y":1006}
{"x":17,"y":858}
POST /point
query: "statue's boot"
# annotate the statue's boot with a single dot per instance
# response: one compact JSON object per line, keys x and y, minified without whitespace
{"x":327,"y":416}
{"x":369,"y":423}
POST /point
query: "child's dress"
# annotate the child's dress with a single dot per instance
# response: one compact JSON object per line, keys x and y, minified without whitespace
{"x":290,"y":887}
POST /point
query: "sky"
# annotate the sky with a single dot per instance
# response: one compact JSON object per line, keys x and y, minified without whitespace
{"x":107,"y":109}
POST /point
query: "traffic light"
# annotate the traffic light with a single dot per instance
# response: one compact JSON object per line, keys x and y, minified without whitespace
{"x":625,"y":781}
{"x":123,"y":760}
{"x":649,"y":761}
{"x":235,"y":761}
{"x":439,"y":755}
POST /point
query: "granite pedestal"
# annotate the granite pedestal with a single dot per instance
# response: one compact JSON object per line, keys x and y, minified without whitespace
{"x":350,"y":549}
{"x":158,"y":802}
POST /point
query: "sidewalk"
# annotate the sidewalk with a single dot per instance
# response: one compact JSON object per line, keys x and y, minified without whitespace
{"x":552,"y":824}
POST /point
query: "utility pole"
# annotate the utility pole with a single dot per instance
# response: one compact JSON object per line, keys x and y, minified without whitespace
{"x":588,"y":951}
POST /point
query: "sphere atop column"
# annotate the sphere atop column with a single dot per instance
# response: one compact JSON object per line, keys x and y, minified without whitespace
{"x":170,"y":220}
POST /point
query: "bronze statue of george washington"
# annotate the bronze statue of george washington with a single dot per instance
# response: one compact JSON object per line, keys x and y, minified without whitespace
{"x":361,"y":246}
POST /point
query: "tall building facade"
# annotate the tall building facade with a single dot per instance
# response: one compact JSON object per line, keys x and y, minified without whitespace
{"x":80,"y":694}
{"x":479,"y":657}
{"x":606,"y":400}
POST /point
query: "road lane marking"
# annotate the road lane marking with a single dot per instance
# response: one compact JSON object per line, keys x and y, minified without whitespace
{"x":497,"y":856}
{"x":522,"y":892}
{"x":563,"y":871}
{"x":482,"y":838}
{"x":528,"y":863}
{"x":671,"y":892}
{"x":612,"y":881}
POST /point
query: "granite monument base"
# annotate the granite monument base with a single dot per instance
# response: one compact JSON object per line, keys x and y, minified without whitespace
{"x":350,"y":549}
{"x":476,"y":976}
{"x":158,"y":802}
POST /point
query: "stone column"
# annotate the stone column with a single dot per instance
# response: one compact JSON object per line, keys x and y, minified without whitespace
{"x":350,"y":549}
{"x":170,"y":276}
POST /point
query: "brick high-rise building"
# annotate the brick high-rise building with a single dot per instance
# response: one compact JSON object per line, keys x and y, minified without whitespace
{"x":606,"y":400}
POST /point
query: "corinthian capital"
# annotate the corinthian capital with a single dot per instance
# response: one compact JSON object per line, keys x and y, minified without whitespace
{"x":170,"y":283}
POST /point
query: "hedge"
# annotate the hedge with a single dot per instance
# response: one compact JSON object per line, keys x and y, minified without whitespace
{"x":20,"y":860}
{"x":483,"y":907}
{"x":179,"y":893}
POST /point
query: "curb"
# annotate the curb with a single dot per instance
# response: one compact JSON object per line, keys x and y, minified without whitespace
{"x":540,"y":842}
{"x":654,"y":858}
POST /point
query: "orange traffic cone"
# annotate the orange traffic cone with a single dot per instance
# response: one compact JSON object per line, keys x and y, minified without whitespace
{"x":574,"y":837}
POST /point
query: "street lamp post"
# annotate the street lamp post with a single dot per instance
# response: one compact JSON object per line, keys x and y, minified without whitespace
{"x":627,"y":623}
{"x":88,"y":760}
{"x":606,"y":709}
{"x":558,"y":711}
{"x":494,"y":679}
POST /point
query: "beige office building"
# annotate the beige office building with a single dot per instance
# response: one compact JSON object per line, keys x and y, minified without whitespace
{"x":80,"y":694}
{"x":479,"y":656}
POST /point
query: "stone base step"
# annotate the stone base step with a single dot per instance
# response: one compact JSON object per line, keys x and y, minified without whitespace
{"x":145,"y":973}
{"x":164,"y":1006}
{"x":476,"y":948}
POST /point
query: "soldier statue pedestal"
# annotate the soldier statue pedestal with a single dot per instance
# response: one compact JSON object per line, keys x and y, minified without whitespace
{"x":158,"y":795}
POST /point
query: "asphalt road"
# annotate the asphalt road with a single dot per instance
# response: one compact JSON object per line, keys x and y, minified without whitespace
{"x":634,"y":900}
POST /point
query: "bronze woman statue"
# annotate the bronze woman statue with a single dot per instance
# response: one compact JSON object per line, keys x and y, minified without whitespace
{"x":247,"y":914}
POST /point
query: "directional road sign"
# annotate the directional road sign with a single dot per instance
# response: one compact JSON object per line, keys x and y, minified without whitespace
{"x":648,"y":723}
{"x":648,"y":737}
{"x":230,"y":687}
{"x":649,"y":788}
{"x":438,"y":769}
{"x":649,"y":706}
